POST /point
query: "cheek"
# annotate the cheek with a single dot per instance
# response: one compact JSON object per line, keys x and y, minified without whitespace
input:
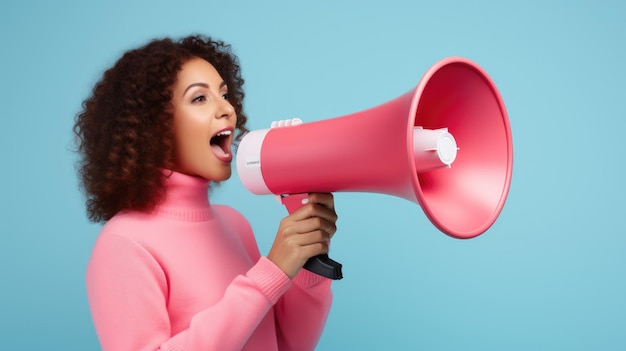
{"x":191,"y":136}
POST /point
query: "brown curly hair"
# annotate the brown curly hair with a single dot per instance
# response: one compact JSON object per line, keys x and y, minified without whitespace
{"x":124,"y":131}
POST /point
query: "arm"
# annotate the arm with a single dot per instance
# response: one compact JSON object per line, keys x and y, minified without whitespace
{"x":127,"y":292}
{"x":302,"y":312}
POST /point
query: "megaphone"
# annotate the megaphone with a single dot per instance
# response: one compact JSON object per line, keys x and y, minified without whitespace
{"x":445,"y":145}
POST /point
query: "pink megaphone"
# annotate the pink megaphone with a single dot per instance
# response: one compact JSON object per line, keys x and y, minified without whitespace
{"x":445,"y":145}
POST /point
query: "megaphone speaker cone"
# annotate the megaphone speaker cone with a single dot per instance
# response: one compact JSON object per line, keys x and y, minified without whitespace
{"x":464,"y":200}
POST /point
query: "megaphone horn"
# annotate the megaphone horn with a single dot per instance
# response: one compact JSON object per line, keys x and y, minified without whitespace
{"x":445,"y":145}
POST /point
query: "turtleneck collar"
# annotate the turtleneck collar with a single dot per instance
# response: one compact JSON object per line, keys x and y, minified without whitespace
{"x":186,"y":198}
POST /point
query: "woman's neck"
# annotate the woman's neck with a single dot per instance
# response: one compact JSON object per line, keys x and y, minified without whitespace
{"x":186,"y":197}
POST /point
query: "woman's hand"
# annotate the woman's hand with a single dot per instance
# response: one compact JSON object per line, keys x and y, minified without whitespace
{"x":304,"y":234}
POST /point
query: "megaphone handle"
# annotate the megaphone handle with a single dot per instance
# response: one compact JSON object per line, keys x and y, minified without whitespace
{"x":320,"y":264}
{"x":324,"y":266}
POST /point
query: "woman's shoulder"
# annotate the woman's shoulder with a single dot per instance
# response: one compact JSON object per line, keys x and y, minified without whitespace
{"x":237,"y":222}
{"x":228,"y":213}
{"x":127,"y":224}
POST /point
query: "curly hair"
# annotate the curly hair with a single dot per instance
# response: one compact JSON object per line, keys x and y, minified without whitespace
{"x":124,"y":130}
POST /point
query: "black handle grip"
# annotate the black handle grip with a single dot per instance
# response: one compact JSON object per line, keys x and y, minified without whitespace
{"x":324,"y":266}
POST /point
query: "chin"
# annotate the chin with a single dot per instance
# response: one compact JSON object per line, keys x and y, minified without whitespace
{"x":221,"y":179}
{"x":219,"y":176}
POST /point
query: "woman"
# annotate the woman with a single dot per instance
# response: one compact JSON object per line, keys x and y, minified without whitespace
{"x":170,"y":270}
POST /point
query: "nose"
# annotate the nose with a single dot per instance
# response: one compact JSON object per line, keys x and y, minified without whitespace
{"x":226,"y":109}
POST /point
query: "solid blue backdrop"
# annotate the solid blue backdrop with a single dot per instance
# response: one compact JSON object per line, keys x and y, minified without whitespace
{"x":550,"y":274}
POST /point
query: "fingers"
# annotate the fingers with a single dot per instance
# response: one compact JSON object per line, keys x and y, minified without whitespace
{"x":313,"y":250}
{"x":315,"y":237}
{"x":325,"y":199}
{"x":311,"y":244}
{"x":291,"y":249}
{"x":311,"y":224}
{"x":319,"y":205}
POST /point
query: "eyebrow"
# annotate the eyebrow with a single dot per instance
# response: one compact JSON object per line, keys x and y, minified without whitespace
{"x":204,"y":85}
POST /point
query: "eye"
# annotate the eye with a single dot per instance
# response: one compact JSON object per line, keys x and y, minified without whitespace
{"x":199,"y":98}
{"x":226,"y":96}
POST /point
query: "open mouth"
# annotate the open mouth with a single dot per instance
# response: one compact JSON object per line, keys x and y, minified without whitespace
{"x":220,"y":145}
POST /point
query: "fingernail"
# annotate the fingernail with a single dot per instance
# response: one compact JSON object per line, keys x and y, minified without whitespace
{"x":305,"y":201}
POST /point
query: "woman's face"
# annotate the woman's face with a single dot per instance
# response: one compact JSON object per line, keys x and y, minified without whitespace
{"x":204,"y":122}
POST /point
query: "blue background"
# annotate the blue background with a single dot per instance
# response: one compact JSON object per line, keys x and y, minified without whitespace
{"x":549,"y":275}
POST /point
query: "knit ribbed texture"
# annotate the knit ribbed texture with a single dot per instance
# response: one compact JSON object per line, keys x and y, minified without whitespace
{"x":272,"y":281}
{"x":186,"y":199}
{"x":189,"y":276}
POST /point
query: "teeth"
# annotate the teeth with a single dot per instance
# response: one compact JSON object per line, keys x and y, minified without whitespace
{"x":224,"y":133}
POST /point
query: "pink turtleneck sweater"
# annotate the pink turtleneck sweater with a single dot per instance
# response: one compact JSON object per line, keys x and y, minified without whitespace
{"x":189,"y":276}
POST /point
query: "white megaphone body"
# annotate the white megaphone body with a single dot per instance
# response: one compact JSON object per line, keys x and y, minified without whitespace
{"x":445,"y":145}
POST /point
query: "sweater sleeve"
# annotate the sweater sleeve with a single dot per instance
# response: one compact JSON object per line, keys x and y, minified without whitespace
{"x":128,"y":293}
{"x":301,"y":313}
